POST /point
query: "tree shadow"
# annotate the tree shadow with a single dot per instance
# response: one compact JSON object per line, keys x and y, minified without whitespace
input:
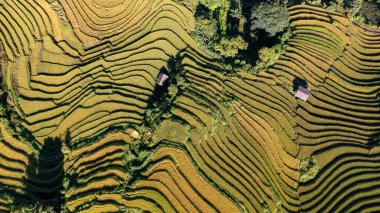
{"x":174,"y":65}
{"x":161,"y":100}
{"x":374,"y":139}
{"x":299,"y":82}
{"x":67,"y":140}
{"x":44,"y":180}
{"x":159,"y":91}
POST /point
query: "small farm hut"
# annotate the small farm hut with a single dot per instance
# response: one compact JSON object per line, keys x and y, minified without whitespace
{"x":302,"y":93}
{"x":161,"y":79}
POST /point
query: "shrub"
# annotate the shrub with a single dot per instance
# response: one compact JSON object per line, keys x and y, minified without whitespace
{"x":308,"y":168}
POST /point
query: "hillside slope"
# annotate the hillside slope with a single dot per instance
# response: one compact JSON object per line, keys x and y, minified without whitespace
{"x":239,"y":143}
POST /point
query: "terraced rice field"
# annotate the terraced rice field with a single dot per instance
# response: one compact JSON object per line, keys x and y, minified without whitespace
{"x":14,"y":161}
{"x":77,"y":68}
{"x":94,"y":169}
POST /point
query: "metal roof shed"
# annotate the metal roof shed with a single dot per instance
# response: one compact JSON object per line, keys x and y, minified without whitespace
{"x":302,"y":93}
{"x":161,"y":79}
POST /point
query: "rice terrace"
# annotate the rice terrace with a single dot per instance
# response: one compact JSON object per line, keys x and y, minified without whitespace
{"x":190,"y":106}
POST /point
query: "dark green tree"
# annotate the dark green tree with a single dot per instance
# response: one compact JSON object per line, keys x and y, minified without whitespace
{"x":236,"y":9}
{"x":371,"y":11}
{"x":352,"y":6}
{"x":270,"y":16}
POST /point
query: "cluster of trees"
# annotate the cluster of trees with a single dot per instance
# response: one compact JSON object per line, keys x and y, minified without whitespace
{"x":233,"y":31}
{"x":365,"y":11}
{"x":368,"y":11}
{"x":250,"y":35}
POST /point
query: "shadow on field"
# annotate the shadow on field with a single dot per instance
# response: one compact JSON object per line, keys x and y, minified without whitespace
{"x":299,"y":82}
{"x":44,"y":180}
{"x":374,"y":139}
{"x":159,"y":91}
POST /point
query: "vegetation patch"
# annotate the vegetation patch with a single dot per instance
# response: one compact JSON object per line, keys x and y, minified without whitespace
{"x":170,"y":131}
{"x":308,"y":169}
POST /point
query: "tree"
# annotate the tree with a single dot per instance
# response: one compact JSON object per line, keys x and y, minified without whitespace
{"x":206,"y":31}
{"x":371,"y":11}
{"x":218,"y":8}
{"x":230,"y":47}
{"x":271,"y":16}
{"x":267,"y":55}
{"x":236,"y":9}
{"x":352,"y":5}
{"x":211,"y":4}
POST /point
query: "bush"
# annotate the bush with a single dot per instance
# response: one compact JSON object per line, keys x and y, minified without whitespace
{"x":308,"y":169}
{"x":272,"y":17}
